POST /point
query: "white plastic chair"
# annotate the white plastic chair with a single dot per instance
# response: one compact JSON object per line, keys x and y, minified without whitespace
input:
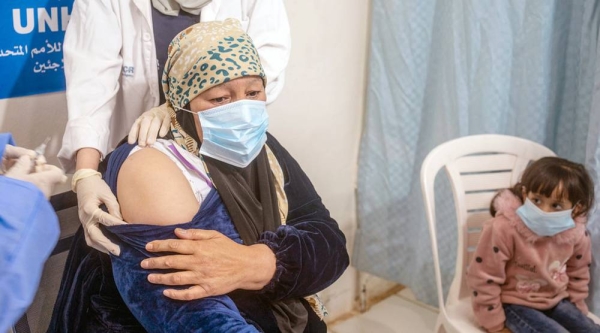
{"x":477,"y":166}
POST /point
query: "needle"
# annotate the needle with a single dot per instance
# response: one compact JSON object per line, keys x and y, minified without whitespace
{"x":41,"y":149}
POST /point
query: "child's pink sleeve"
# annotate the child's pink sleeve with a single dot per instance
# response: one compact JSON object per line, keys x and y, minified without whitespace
{"x":486,"y":273}
{"x":578,"y":271}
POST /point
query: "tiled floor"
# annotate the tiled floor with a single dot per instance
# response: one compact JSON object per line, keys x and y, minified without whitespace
{"x":399,"y":313}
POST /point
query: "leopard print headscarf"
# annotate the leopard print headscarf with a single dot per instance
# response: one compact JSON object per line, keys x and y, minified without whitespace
{"x":203,"y":56}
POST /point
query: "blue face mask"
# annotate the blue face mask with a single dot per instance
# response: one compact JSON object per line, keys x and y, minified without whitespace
{"x":543,"y":223}
{"x":234,"y":133}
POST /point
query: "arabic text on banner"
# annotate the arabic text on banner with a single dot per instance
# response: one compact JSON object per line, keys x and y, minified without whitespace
{"x":31,"y":44}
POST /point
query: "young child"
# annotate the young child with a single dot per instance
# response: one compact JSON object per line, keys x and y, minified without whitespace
{"x":530,"y":272}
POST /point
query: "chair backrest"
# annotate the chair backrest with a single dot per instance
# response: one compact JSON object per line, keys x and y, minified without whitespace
{"x":477,"y":167}
{"x":37,"y":317}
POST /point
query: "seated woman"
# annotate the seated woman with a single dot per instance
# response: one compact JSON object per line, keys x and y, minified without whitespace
{"x":271,"y":242}
{"x":158,"y":192}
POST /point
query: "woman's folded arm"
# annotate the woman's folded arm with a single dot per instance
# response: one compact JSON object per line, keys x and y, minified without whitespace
{"x":310,"y":249}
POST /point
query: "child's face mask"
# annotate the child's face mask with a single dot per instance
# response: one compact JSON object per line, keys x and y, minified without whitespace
{"x":543,"y":223}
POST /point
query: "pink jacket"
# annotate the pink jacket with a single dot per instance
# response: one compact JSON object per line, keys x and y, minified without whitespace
{"x":514,"y":265}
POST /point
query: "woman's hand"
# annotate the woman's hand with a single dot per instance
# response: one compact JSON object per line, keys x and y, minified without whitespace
{"x":92,"y":192}
{"x":150,"y":125}
{"x":44,"y":178}
{"x":211,"y":262}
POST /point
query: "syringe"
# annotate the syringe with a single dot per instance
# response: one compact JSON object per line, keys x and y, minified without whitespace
{"x":40,"y":150}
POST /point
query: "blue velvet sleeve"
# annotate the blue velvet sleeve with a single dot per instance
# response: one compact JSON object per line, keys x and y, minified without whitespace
{"x":310,"y":249}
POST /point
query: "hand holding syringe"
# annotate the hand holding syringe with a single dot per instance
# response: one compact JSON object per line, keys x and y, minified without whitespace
{"x":30,"y":166}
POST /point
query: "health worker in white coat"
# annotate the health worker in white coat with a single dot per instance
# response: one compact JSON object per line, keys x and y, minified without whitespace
{"x":114,"y":55}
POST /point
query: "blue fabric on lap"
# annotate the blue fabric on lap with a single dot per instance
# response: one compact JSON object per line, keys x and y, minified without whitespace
{"x":152,"y":309}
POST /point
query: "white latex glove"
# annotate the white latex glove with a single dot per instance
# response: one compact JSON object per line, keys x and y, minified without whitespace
{"x":92,"y":191}
{"x":45,"y":177}
{"x":11,"y":152}
{"x":151,"y":124}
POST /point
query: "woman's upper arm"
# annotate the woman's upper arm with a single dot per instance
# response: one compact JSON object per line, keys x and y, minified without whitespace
{"x":152,"y":190}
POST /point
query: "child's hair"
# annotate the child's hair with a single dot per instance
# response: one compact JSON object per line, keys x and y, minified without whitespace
{"x":549,"y":173}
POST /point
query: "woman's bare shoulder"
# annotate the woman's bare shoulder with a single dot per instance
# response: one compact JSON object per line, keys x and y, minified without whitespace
{"x":152,"y":190}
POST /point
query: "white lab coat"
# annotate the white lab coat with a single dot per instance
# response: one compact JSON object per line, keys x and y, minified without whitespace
{"x":111,"y":65}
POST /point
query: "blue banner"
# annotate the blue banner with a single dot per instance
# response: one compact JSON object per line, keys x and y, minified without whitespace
{"x":31,"y":45}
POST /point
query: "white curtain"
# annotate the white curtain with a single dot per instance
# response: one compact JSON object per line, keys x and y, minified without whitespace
{"x":444,"y":69}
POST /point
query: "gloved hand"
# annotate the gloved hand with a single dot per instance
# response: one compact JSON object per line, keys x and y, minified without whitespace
{"x":45,"y":177}
{"x":12,"y":153}
{"x":92,"y":191}
{"x":151,"y":124}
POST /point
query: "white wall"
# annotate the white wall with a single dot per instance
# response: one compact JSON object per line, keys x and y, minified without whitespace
{"x":317,"y":117}
{"x":31,"y":119}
